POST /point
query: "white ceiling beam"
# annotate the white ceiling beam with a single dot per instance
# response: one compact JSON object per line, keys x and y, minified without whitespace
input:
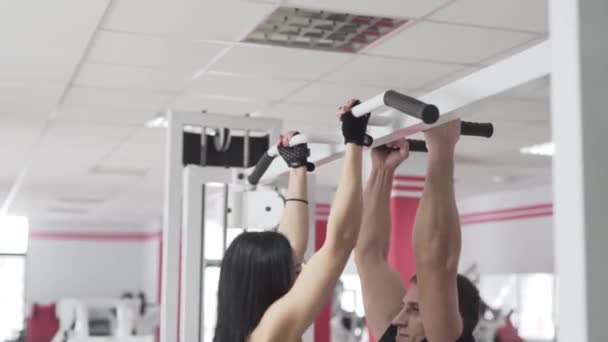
{"x":516,"y":70}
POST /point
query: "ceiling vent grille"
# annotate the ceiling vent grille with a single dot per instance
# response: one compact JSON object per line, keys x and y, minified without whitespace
{"x":322,"y":30}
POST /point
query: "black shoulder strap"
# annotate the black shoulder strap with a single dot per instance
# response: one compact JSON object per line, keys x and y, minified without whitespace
{"x":390,"y":335}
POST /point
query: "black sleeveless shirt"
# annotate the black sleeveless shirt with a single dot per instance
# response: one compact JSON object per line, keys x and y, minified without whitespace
{"x":391,"y":335}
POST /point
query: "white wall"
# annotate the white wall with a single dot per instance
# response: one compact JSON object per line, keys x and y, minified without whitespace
{"x":151,"y":269}
{"x":68,"y":267}
{"x":507,"y":245}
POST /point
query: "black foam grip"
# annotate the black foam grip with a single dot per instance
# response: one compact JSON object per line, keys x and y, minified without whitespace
{"x":414,"y":144}
{"x":417,"y":145}
{"x":477,"y":129}
{"x":428,"y":113}
{"x":259,"y":169}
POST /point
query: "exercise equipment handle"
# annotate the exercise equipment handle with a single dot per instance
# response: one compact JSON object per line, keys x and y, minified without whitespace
{"x":417,"y":145}
{"x":477,"y":129}
{"x":263,"y":164}
{"x":428,"y":113}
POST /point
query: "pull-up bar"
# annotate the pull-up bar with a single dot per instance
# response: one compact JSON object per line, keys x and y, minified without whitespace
{"x":428,"y":113}
{"x":477,"y":129}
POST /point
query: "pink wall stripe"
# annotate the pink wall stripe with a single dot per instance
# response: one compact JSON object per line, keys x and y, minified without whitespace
{"x":537,"y":207}
{"x":410,"y":178}
{"x":94,"y":236}
{"x":407,"y":188}
{"x":507,"y":218}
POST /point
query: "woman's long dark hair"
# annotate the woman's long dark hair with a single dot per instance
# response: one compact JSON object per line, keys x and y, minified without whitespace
{"x":257,"y":270}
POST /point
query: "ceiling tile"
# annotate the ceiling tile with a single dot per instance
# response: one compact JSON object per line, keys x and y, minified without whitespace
{"x":146,"y":147}
{"x":390,"y":72}
{"x":17,"y":139}
{"x":448,"y":78}
{"x":450,"y":43}
{"x":78,"y":131}
{"x":333,"y":94}
{"x":529,"y":15}
{"x":150,"y":207}
{"x":84,"y":114}
{"x":226,"y":20}
{"x":535,"y":90}
{"x":58,"y":31}
{"x":389,"y":8}
{"x":310,"y":113}
{"x":501,"y":109}
{"x":112,"y":99}
{"x":319,"y":122}
{"x":515,"y":50}
{"x":70,"y":150}
{"x":19,"y":133}
{"x":33,"y":93}
{"x":29,"y":100}
{"x":324,"y":133}
{"x":130,"y":77}
{"x":216,"y":104}
{"x":244,"y":87}
{"x":83,"y":137}
{"x":152,"y":51}
{"x":26,"y":111}
{"x":280,"y":62}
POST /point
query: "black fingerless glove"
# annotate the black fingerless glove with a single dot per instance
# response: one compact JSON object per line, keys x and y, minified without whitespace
{"x":354,"y":128}
{"x":296,"y":156}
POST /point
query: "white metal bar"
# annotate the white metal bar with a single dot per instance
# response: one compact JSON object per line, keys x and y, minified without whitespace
{"x":369,"y":105}
{"x":378,"y":120}
{"x":521,"y":68}
{"x":193,"y":261}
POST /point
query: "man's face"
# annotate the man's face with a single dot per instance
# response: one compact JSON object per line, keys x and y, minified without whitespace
{"x":409,"y":321}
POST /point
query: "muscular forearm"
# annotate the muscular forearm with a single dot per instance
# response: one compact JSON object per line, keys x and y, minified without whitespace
{"x":436,"y":236}
{"x":376,"y":221}
{"x":345,"y":216}
{"x":294,"y":222}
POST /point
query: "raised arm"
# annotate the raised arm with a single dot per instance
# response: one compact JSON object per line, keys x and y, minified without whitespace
{"x":383,"y":287}
{"x":294,"y":222}
{"x":288,"y":318}
{"x":437,"y":239}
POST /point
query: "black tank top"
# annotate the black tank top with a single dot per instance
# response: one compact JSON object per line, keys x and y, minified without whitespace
{"x":391,"y":336}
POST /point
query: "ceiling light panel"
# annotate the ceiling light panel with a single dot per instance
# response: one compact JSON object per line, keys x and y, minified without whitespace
{"x":544,"y":149}
{"x":322,"y":30}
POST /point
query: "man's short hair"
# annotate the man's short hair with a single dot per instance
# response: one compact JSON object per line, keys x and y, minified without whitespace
{"x":469,"y":303}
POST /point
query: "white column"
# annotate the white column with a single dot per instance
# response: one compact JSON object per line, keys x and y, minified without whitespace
{"x":580,"y":165}
{"x":169,"y":306}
